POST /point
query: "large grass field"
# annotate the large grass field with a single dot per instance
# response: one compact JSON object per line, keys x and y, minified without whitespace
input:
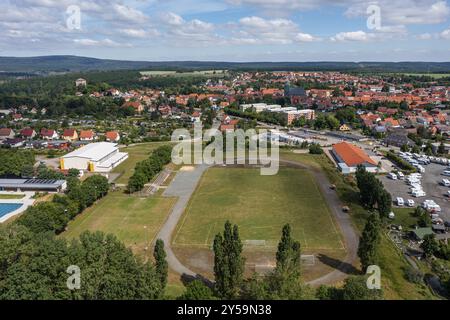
{"x":431,"y":75}
{"x":125,"y":216}
{"x":162,"y":73}
{"x":260,"y":206}
{"x":136,"y":153}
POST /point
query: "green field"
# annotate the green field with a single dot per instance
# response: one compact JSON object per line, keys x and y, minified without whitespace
{"x":431,"y":75}
{"x":260,"y":206}
{"x":11,"y":196}
{"x":125,"y":216}
{"x":136,"y":153}
{"x":211,"y":73}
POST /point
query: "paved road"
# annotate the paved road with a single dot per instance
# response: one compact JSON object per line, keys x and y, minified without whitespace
{"x":182,"y":186}
{"x":185,"y":183}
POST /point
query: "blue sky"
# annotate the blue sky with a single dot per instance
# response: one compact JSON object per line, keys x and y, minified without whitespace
{"x":228,"y":30}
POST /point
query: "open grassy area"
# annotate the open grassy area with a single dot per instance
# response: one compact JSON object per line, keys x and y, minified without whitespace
{"x":168,"y":73}
{"x":125,"y":216}
{"x":392,"y":263}
{"x":136,"y":153}
{"x":431,"y":75}
{"x":11,"y":196}
{"x":260,"y":206}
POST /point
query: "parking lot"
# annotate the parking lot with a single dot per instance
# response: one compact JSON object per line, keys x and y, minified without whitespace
{"x":431,"y":185}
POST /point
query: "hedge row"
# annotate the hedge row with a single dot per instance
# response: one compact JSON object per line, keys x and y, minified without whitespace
{"x":402,"y":164}
{"x":146,"y":170}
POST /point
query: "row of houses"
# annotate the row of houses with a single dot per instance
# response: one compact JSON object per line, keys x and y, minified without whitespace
{"x":51,"y":134}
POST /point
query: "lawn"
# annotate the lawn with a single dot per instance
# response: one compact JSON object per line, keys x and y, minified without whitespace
{"x":136,"y":153}
{"x":260,"y":206}
{"x":11,"y":196}
{"x":125,"y":216}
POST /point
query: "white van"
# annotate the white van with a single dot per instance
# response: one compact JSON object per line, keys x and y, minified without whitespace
{"x":400,"y":175}
{"x":400,"y":202}
{"x":392,"y":175}
{"x":446,"y":182}
{"x":410,"y":203}
{"x":418,"y":193}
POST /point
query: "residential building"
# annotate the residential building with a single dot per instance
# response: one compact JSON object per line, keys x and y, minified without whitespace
{"x":87,"y":135}
{"x":49,"y":134}
{"x":6,"y":133}
{"x":112,"y":136}
{"x":28,"y":133}
{"x":70,"y":135}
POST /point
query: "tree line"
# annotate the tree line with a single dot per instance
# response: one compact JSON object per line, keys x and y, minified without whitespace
{"x":283,"y":282}
{"x":34,"y":262}
{"x":146,"y":170}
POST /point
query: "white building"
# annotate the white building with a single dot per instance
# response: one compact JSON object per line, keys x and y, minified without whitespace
{"x":259,"y":107}
{"x":80,"y":82}
{"x":94,"y":157}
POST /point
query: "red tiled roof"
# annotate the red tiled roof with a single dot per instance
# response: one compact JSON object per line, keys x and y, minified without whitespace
{"x":27,"y":132}
{"x":86,"y":134}
{"x":69,"y":132}
{"x":5,"y":131}
{"x":352,"y":155}
{"x":47,"y":132}
{"x":112,"y":135}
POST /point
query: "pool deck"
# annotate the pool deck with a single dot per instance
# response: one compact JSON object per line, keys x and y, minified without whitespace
{"x":25,"y":202}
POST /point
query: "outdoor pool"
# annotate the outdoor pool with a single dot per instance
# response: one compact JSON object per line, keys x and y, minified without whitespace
{"x":6,"y":208}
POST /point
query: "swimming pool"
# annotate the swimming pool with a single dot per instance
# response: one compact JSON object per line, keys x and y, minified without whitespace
{"x":6,"y":208}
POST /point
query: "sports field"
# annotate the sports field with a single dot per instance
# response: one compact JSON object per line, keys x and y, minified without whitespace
{"x":136,"y":153}
{"x":125,"y":216}
{"x":260,"y":206}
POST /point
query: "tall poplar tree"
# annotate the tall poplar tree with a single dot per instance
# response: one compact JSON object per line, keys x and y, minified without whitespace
{"x":369,"y":241}
{"x":228,"y":262}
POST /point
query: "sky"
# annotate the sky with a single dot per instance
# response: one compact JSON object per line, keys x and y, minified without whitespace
{"x":228,"y":30}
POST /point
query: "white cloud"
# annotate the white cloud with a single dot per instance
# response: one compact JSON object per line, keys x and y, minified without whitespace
{"x":424,"y":36}
{"x":129,"y":14}
{"x":172,"y":19}
{"x":445,"y":34}
{"x":99,"y":43}
{"x":187,"y":31}
{"x":253,"y":30}
{"x":139,"y":33}
{"x":352,"y":36}
{"x":304,"y":37}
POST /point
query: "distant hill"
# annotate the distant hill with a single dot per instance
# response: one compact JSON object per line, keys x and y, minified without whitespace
{"x":52,"y":64}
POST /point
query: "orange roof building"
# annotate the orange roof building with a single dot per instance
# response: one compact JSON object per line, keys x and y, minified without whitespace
{"x":348,"y":157}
